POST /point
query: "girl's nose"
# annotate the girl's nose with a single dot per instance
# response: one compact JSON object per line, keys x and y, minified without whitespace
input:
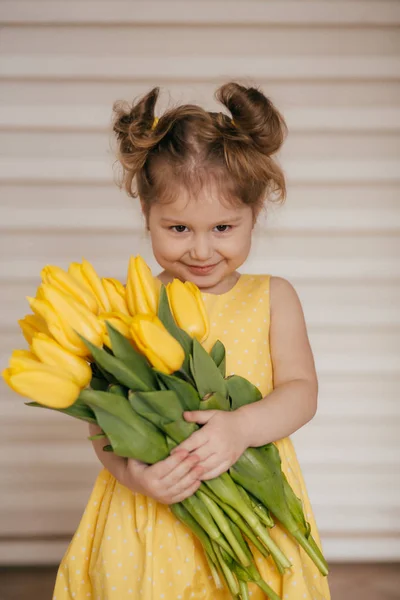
{"x":201,"y":249}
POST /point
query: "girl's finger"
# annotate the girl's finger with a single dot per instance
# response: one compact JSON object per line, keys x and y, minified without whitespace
{"x":204,"y":453}
{"x":186,"y":493}
{"x":211,"y":463}
{"x":187,"y":481}
{"x":212,"y":473}
{"x":163,"y":467}
{"x":181,"y":470}
{"x":196,"y":440}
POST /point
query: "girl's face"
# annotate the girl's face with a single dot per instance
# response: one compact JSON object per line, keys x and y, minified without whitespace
{"x":202,"y":240}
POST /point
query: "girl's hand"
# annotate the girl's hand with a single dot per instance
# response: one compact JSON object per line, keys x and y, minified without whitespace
{"x":168,"y":481}
{"x":218,"y":444}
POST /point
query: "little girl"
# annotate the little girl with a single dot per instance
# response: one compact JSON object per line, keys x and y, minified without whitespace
{"x":202,"y":179}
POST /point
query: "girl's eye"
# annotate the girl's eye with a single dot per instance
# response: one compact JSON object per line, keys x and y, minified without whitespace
{"x":222,"y":228}
{"x":179,"y":228}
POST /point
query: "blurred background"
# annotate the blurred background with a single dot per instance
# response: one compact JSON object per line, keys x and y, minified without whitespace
{"x":333,"y":69}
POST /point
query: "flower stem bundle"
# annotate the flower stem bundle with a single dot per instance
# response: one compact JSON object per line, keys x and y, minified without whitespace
{"x":130,"y":359}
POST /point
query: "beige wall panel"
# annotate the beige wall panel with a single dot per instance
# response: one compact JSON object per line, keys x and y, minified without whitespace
{"x":333,"y":69}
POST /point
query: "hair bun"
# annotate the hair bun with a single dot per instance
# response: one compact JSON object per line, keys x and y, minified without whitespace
{"x":254,"y":115}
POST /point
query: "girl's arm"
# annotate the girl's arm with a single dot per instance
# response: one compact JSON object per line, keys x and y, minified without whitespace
{"x":168,"y":481}
{"x":290,"y":406}
{"x":294,"y":400}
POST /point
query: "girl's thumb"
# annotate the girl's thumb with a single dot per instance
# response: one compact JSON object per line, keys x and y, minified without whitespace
{"x":198,"y":416}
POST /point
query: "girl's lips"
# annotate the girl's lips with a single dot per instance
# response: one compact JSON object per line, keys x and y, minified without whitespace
{"x":201,"y":270}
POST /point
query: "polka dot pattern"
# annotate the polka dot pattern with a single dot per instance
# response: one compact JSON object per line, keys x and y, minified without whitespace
{"x":130,"y":546}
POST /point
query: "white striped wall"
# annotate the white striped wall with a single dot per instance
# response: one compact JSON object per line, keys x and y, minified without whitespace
{"x":333,"y":69}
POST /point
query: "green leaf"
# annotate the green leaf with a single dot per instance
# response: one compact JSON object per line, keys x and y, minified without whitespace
{"x":206,"y":373}
{"x":215,"y":402}
{"x":187,"y":394}
{"x":165,"y":403}
{"x":116,"y":367}
{"x":99,"y":384}
{"x":180,"y":430}
{"x":118,"y":390}
{"x":79,"y":410}
{"x":123,"y":349}
{"x":241,"y":391}
{"x":166,"y":317}
{"x":130,"y":435}
{"x":217,"y":353}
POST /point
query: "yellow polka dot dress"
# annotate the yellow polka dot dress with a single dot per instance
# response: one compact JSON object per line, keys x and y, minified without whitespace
{"x":130,"y":546}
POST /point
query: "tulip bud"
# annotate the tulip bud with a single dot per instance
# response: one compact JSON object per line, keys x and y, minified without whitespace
{"x":119,"y":321}
{"x":51,"y":353}
{"x":153,"y":340}
{"x":32,"y":324}
{"x":62,"y":280}
{"x":116,"y":295}
{"x":41,"y":383}
{"x":86,"y":275}
{"x":66,"y":318}
{"x":188,"y":308}
{"x":141,"y":288}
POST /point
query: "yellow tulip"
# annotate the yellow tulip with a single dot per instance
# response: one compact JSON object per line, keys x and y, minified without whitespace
{"x":86,"y":275}
{"x":66,"y":318}
{"x":51,"y":353}
{"x":156,"y":343}
{"x":66,"y":283}
{"x":116,"y":295}
{"x":41,"y":383}
{"x":119,"y":321}
{"x":141,"y":288}
{"x":32,"y":324}
{"x":188,"y":308}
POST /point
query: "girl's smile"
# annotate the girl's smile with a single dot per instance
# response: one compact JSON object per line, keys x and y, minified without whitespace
{"x":202,"y":239}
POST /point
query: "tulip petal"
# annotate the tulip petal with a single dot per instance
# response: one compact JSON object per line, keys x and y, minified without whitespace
{"x":46,"y":388}
{"x":75,"y":315}
{"x":94,"y":282}
{"x":141,"y":288}
{"x":51,"y":353}
{"x":188,"y":308}
{"x":116,"y":295}
{"x":32,"y":324}
{"x":67,"y":283}
{"x":161,"y":349}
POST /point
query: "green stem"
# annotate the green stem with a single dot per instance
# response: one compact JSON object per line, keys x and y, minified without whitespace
{"x":237,"y":519}
{"x":244,"y":590}
{"x":229,"y":576}
{"x":267,"y":589}
{"x":214,"y":571}
{"x":317,"y":550}
{"x":201,"y":514}
{"x":223,"y":524}
{"x":308,"y":547}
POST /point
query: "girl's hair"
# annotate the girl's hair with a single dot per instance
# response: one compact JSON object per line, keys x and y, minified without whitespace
{"x":189,"y":146}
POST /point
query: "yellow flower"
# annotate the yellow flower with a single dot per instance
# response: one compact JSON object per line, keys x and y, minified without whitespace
{"x":188,"y":308}
{"x":86,"y":275}
{"x":32,"y":324}
{"x":119,"y":321}
{"x":41,"y":383}
{"x":59,"y":278}
{"x":51,"y":353}
{"x":116,"y":295}
{"x":156,"y":343}
{"x":66,"y":318}
{"x":141,"y":288}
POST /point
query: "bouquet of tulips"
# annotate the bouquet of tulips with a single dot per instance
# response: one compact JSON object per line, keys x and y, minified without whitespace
{"x":129,"y":358}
